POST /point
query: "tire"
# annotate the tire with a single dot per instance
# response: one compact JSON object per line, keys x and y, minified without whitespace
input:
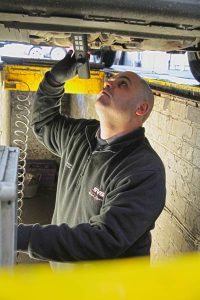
{"x":105,"y":56}
{"x":194,"y":63}
{"x":36,"y":52}
{"x":57,"y":53}
{"x":108,"y":58}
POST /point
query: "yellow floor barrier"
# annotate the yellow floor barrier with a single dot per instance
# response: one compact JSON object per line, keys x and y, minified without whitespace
{"x":177,"y":278}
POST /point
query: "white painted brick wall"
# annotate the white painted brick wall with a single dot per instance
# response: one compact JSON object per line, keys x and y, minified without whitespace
{"x":180,"y":222}
{"x":174,"y":131}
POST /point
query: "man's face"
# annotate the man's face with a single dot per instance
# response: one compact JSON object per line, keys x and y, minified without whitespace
{"x":119,"y":97}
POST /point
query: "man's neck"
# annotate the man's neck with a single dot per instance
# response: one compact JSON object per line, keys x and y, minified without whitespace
{"x":112,"y":132}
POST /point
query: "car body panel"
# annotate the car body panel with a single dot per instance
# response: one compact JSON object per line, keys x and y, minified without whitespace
{"x":124,"y":25}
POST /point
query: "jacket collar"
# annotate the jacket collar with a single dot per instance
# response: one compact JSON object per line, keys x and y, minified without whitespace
{"x":117,"y":144}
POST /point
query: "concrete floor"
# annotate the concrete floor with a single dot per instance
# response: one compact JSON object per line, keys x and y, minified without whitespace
{"x":38,"y":209}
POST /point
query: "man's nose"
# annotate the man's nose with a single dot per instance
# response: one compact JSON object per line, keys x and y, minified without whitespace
{"x":108,"y":84}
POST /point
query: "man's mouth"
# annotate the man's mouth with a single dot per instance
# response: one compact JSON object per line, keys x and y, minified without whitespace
{"x":105,"y":92}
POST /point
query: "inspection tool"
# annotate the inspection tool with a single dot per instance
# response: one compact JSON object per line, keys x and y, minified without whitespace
{"x":81,"y":51}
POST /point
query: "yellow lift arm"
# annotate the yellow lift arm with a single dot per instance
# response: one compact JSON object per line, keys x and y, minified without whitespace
{"x":28,"y":78}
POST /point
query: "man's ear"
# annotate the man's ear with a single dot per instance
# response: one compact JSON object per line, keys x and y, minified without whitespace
{"x":142,"y":109}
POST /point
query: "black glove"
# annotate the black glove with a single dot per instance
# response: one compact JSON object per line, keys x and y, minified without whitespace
{"x":65,"y":69}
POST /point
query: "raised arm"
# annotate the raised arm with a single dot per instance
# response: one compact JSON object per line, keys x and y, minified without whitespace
{"x":47,"y":122}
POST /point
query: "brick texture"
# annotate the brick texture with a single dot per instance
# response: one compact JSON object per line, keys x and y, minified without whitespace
{"x":178,"y":228}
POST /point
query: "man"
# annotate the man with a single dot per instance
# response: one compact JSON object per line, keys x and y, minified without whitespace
{"x":111,"y":185}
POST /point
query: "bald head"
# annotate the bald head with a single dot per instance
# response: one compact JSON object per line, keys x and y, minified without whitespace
{"x":144,"y":92}
{"x":124,"y":103}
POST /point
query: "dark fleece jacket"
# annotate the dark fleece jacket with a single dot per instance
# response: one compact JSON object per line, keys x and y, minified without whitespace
{"x":109,"y":195}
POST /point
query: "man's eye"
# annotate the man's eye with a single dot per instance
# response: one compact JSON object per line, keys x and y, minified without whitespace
{"x":123,"y":83}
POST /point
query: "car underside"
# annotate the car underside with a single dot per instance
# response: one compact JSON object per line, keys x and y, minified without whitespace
{"x":164,"y":25}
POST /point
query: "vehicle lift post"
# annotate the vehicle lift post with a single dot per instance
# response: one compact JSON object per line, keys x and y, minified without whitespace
{"x":8,"y":204}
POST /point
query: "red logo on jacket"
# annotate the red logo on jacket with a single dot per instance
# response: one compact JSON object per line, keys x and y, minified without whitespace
{"x":96,"y":194}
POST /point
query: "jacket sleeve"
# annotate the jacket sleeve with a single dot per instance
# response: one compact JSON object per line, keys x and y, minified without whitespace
{"x":51,"y":128}
{"x":129,"y":211}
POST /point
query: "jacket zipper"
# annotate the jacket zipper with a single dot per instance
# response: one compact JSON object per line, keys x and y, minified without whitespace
{"x":83,"y":170}
{"x":87,"y":161}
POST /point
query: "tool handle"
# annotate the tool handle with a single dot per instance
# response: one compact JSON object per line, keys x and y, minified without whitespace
{"x":81,"y":51}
